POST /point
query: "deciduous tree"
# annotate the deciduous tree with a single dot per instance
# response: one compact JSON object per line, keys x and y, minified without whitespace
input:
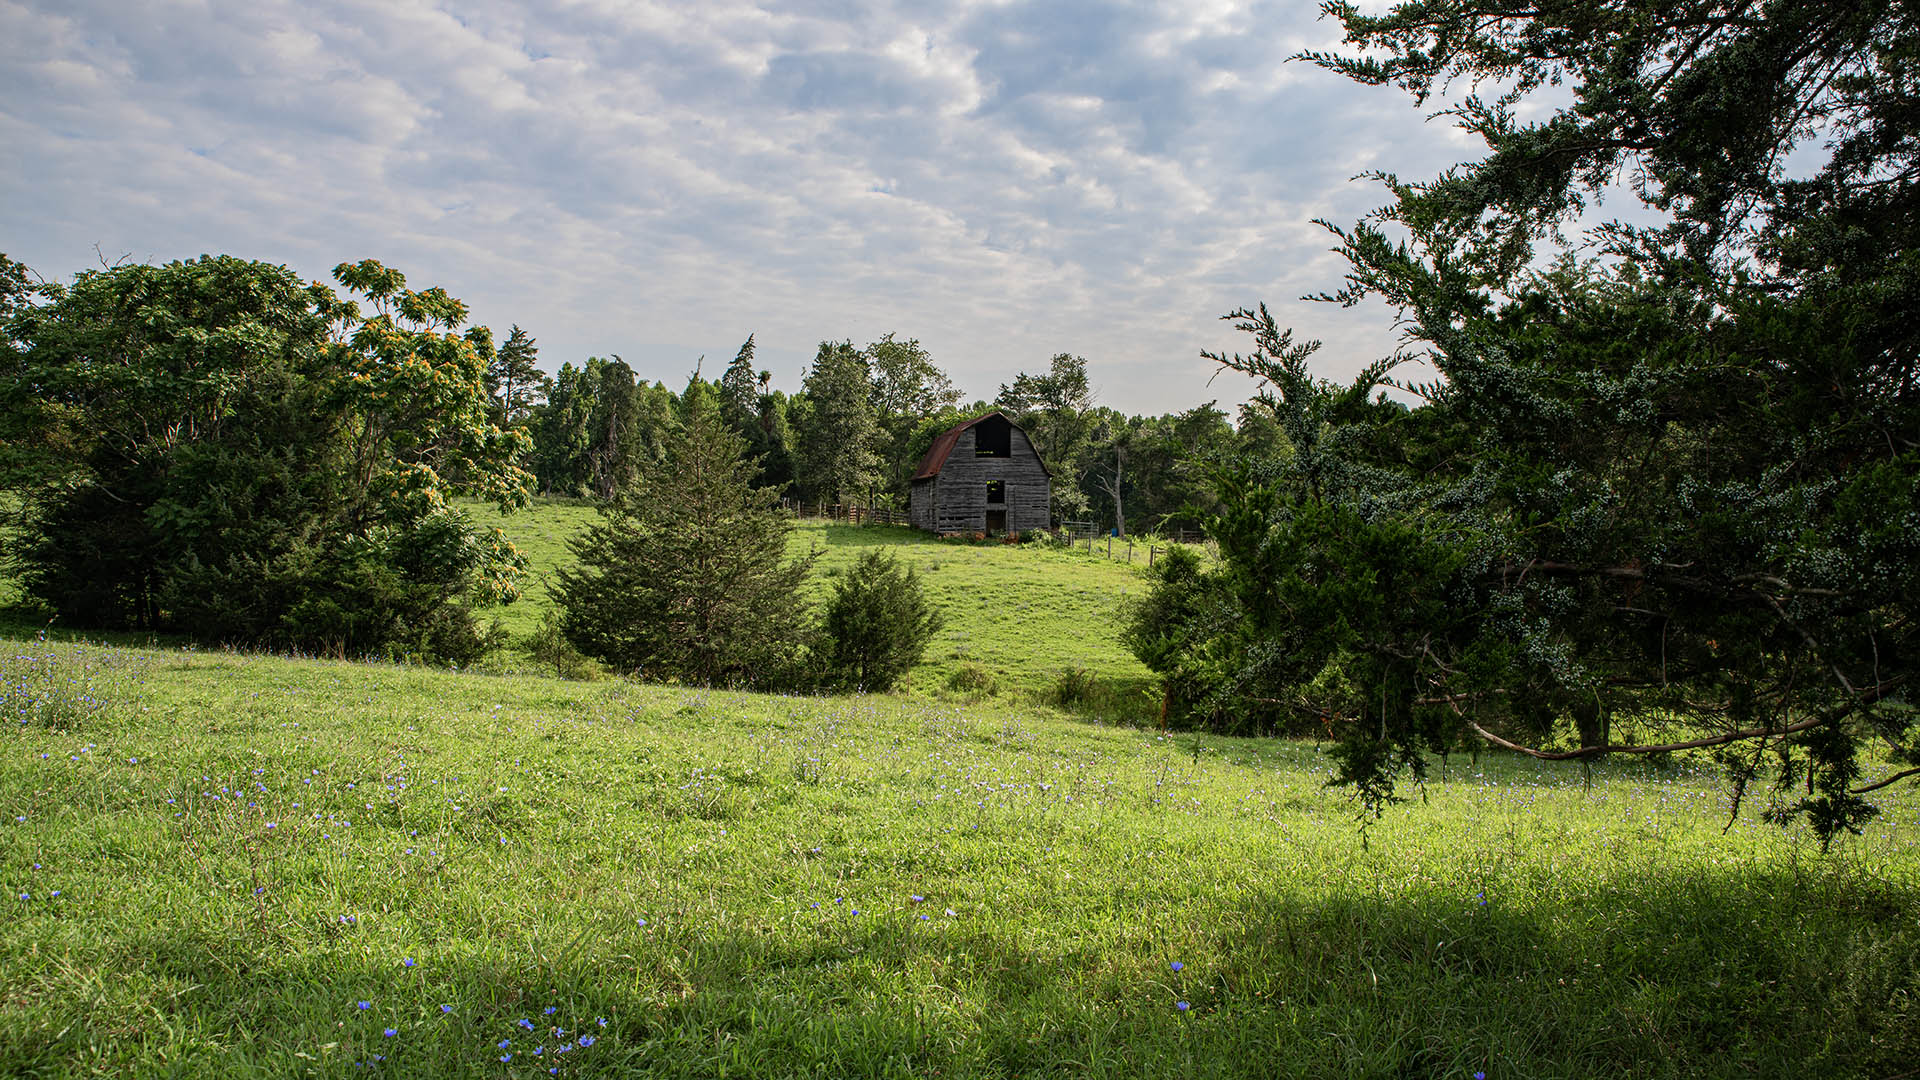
{"x":836,"y":432}
{"x":228,"y":451}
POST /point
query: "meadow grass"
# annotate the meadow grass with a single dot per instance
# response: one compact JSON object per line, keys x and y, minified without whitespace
{"x":1023,"y":616}
{"x":251,"y":866}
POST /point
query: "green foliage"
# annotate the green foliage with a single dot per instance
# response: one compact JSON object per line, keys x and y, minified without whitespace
{"x":738,"y":392}
{"x":1055,"y":409}
{"x":514,"y":378}
{"x":1072,"y":687}
{"x":686,"y":576}
{"x":972,"y":680}
{"x":598,"y":427}
{"x":1167,"y":629}
{"x":221,"y":449}
{"x":1165,"y":464}
{"x":1666,"y":496}
{"x":547,"y":644}
{"x":835,"y":436}
{"x":877,"y":625}
{"x":908,"y":387}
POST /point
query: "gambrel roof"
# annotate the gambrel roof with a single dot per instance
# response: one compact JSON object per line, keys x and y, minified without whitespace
{"x":943,"y":445}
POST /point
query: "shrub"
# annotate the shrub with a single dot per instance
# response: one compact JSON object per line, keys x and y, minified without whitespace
{"x":972,"y":680}
{"x":1073,"y":687}
{"x":877,"y":625}
{"x":549,"y":647}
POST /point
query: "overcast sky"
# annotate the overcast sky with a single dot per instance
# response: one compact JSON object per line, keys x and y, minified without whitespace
{"x":1002,"y":181}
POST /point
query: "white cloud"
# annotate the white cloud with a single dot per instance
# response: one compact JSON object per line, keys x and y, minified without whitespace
{"x":1003,"y":181}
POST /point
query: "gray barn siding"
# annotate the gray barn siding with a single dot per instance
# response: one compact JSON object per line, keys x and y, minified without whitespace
{"x":920,"y":504}
{"x":955,"y":499}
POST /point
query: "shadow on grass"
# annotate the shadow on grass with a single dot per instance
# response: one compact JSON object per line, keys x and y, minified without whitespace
{"x":1132,"y":702}
{"x":862,"y":536}
{"x":1728,"y":972}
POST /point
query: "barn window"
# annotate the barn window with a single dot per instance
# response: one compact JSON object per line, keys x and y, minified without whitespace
{"x":993,"y":437}
{"x":996,"y":491}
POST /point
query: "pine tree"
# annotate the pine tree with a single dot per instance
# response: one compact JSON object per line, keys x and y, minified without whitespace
{"x":877,"y":625}
{"x":514,"y":377}
{"x":738,"y":393}
{"x":686,"y":575}
{"x":837,"y":435}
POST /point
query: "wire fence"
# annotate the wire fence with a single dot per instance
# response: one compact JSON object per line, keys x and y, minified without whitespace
{"x":1075,"y":535}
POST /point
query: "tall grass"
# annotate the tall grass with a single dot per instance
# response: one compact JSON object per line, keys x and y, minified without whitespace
{"x":213,"y":881}
{"x":61,"y":686}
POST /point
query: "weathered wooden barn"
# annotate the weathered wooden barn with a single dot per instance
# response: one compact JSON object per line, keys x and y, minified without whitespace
{"x":981,"y":476}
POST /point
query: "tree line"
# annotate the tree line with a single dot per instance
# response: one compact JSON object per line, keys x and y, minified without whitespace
{"x":858,"y":424}
{"x":216,"y":448}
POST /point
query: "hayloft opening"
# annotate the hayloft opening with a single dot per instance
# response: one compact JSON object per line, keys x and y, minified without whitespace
{"x":993,"y":437}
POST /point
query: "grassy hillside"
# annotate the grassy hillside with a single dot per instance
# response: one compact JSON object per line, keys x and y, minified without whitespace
{"x":222,"y":865}
{"x":1023,"y":614}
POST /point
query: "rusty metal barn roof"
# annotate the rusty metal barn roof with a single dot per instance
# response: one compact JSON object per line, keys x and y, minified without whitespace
{"x":943,"y":445}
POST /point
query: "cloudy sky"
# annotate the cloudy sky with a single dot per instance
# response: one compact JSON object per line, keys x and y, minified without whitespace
{"x":1003,"y":181}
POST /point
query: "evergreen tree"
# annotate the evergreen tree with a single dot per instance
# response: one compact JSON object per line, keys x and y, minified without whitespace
{"x":877,"y":625}
{"x":514,"y":378}
{"x":836,"y":458}
{"x":738,"y":393}
{"x":563,"y":433}
{"x":1659,"y":501}
{"x":686,"y":577}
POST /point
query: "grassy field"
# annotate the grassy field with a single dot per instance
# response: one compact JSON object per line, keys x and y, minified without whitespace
{"x":222,"y":864}
{"x":1022,"y":615}
{"x":227,"y":865}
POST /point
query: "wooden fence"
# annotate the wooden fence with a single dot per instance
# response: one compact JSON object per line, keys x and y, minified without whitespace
{"x":1075,"y":534}
{"x":852,"y":515}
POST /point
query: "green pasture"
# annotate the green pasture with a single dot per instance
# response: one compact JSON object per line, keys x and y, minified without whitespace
{"x":1020,"y":613}
{"x":231,"y":865}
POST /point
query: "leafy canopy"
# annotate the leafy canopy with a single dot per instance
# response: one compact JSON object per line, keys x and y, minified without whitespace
{"x":1665,"y":497}
{"x":219,"y":448}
